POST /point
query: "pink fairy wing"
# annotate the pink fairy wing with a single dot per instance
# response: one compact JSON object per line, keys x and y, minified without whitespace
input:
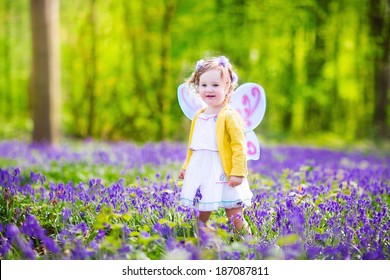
{"x":253,"y":146}
{"x":189,"y":102}
{"x":249,"y":100}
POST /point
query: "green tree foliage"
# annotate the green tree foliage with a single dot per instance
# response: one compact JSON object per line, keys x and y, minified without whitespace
{"x":121,"y":62}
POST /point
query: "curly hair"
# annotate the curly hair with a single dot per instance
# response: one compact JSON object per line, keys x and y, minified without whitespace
{"x":220,"y":63}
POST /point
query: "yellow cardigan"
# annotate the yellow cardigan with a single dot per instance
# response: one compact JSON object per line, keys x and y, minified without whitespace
{"x":231,"y":142}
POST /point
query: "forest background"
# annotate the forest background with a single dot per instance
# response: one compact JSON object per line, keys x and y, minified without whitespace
{"x":324,"y":65}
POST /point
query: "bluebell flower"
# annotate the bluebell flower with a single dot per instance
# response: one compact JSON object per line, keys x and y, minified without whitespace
{"x":198,"y":197}
{"x":80,"y":252}
{"x":66,"y":213}
{"x":164,"y":229}
{"x":125,"y":248}
{"x":50,"y":245}
{"x":5,"y":246}
{"x":15,"y":236}
{"x":100,"y":235}
{"x":12,"y":232}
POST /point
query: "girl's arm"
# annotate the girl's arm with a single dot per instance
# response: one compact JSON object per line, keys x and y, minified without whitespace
{"x":235,"y":129}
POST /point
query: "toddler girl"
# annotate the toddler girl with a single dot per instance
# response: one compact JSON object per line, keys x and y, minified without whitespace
{"x":215,"y":168}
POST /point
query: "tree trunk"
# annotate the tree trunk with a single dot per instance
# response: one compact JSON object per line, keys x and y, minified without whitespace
{"x":45,"y":78}
{"x":380,"y":32}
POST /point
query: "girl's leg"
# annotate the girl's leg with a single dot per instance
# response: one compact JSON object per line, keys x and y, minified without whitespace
{"x":201,"y":220}
{"x":240,"y":225}
{"x":204,"y":216}
{"x":236,"y":215}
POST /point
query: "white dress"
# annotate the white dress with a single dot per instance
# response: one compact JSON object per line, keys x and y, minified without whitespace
{"x":205,"y":185}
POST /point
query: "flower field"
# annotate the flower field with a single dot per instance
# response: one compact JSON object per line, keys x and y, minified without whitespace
{"x":91,"y":200}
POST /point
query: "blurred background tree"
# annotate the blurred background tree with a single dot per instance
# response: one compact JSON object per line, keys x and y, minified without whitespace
{"x":45,"y":70}
{"x":324,"y":65}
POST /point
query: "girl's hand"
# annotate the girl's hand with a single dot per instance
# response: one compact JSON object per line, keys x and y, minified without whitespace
{"x":182,"y":173}
{"x":234,"y":181}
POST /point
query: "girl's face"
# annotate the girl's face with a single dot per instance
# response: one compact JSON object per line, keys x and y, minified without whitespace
{"x":212,"y":90}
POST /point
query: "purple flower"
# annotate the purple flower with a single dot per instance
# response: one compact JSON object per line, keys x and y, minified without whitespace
{"x":344,"y":214}
{"x":236,"y":255}
{"x":377,"y":254}
{"x":5,"y":246}
{"x":50,"y":245}
{"x":204,"y":234}
{"x":313,"y":252}
{"x":66,"y":213}
{"x":32,"y":228}
{"x":198,"y":197}
{"x":223,"y":61}
{"x":199,"y":64}
{"x":164,"y":229}
{"x":15,"y":235}
{"x":100,"y":235}
{"x":12,"y":232}
{"x":145,"y":234}
{"x":80,"y":252}
{"x":124,"y":249}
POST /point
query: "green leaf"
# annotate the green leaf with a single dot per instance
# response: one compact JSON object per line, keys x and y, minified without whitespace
{"x":286,"y":240}
{"x":126,"y":217}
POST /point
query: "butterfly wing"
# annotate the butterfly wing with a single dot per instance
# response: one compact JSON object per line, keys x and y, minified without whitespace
{"x":253,"y":146}
{"x":249,"y":100}
{"x":189,"y":102}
